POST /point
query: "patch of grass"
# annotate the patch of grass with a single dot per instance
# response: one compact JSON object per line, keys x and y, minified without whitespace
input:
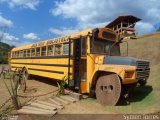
{"x":154,"y":79}
{"x":8,"y":76}
{"x":3,"y":64}
{"x":147,"y":48}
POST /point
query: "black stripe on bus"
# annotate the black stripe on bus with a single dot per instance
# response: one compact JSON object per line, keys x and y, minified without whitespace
{"x":45,"y":57}
{"x":51,"y":71}
{"x":15,"y":67}
{"x":60,"y":65}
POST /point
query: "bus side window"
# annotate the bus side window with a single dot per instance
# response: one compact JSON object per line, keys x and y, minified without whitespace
{"x":24,"y":54}
{"x":32,"y":52}
{"x":58,"y":49}
{"x":21,"y":53}
{"x":65,"y":49}
{"x":13,"y":54}
{"x":38,"y":51}
{"x":18,"y":54}
{"x":28,"y":53}
{"x":50,"y":50}
{"x":43,"y":51}
{"x":84,"y":46}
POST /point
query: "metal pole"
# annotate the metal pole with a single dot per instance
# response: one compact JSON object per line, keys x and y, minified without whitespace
{"x":69,"y":57}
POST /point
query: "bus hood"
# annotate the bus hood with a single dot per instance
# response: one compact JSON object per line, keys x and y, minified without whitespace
{"x":117,"y":60}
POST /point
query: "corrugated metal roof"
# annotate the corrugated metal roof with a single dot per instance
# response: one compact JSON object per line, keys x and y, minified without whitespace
{"x":127,"y":18}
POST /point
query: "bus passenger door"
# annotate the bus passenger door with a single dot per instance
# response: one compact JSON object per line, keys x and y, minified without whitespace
{"x":79,"y":62}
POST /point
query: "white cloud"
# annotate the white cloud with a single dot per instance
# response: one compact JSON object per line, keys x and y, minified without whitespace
{"x":5,"y":22}
{"x":82,"y":25}
{"x":31,"y":4}
{"x":31,"y":36}
{"x":95,"y":11}
{"x":79,"y":27}
{"x":62,"y":31}
{"x":145,"y":27}
{"x":6,"y":37}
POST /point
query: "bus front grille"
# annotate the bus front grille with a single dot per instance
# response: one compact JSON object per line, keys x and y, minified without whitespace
{"x":143,"y":69}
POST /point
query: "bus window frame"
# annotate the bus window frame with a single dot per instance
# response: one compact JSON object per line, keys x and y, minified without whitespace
{"x":28,"y":52}
{"x":13,"y":55}
{"x":16,"y":54}
{"x":43,"y":51}
{"x":59,"y":50}
{"x":24,"y":53}
{"x":32,"y":53}
{"x":21,"y":53}
{"x":38,"y":55}
{"x":52,"y":50}
{"x":64,"y":44}
{"x":84,"y":39}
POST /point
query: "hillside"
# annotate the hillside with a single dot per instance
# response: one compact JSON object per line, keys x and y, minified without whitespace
{"x":4,"y":49}
{"x":146,"y":47}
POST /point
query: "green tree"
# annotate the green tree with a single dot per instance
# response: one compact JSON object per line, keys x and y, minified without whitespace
{"x":4,"y":49}
{"x":158,"y":30}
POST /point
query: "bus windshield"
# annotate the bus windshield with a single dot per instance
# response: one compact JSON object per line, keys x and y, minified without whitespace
{"x":100,"y":46}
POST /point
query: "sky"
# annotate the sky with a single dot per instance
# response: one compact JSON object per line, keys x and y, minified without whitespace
{"x":29,"y":21}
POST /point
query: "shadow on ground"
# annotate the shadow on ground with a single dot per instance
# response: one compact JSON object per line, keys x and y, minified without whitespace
{"x":138,"y":94}
{"x":44,"y":80}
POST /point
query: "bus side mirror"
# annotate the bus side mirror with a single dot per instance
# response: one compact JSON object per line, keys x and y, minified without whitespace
{"x":120,"y":40}
{"x":127,"y":38}
{"x":133,"y":37}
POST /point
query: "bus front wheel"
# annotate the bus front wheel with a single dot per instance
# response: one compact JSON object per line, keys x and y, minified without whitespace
{"x":108,"y":89}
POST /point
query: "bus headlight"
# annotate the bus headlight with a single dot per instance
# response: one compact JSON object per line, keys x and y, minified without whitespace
{"x":129,"y":74}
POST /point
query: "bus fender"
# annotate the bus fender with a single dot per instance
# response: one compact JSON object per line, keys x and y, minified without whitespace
{"x":99,"y":73}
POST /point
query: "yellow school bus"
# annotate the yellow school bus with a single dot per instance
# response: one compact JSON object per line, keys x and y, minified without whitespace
{"x":90,"y":59}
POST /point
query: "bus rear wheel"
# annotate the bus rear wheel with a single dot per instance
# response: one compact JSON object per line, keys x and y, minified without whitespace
{"x":108,"y":89}
{"x":23,"y":80}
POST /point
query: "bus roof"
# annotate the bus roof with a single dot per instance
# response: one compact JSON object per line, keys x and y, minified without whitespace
{"x":75,"y":35}
{"x":44,"y":43}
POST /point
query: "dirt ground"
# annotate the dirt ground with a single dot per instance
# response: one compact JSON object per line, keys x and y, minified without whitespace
{"x":42,"y":89}
{"x":142,"y":100}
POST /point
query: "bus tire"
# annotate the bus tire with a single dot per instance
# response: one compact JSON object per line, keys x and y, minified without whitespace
{"x":23,"y":80}
{"x":142,"y":82}
{"x":108,"y":89}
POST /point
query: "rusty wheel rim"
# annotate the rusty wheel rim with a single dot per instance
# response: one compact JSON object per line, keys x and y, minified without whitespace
{"x":108,"y":89}
{"x":23,"y":81}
